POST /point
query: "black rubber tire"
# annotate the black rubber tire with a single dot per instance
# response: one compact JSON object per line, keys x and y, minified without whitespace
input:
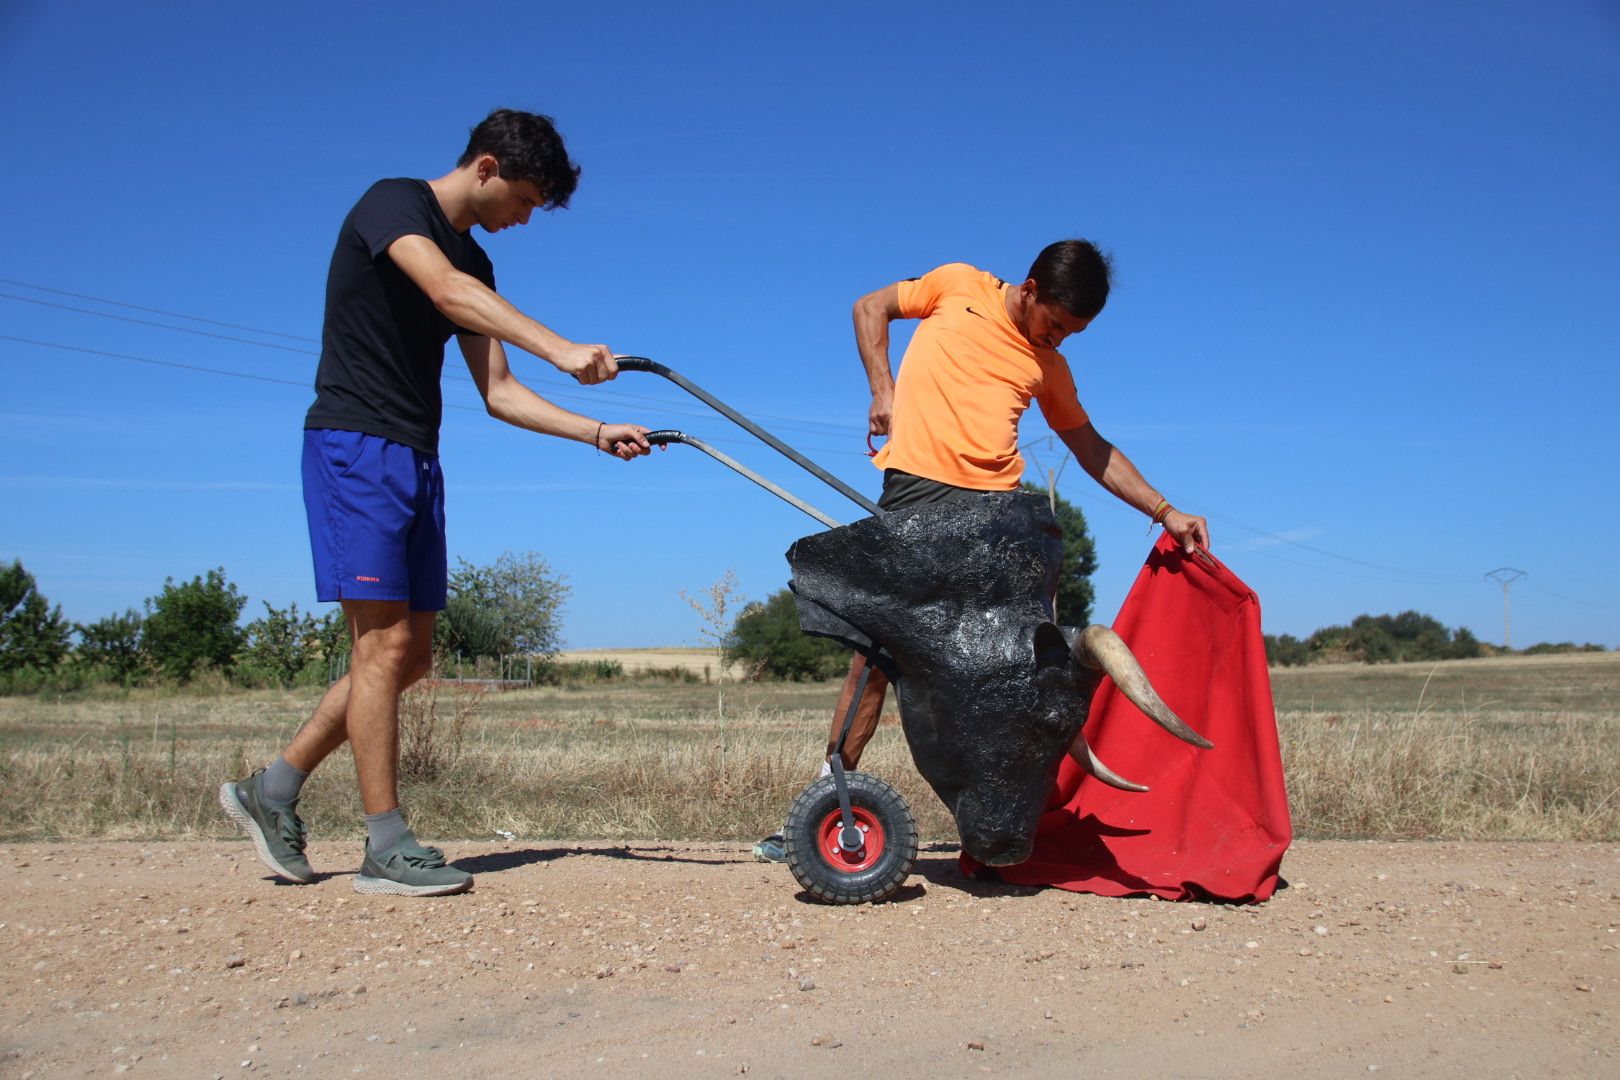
{"x":829,"y":882}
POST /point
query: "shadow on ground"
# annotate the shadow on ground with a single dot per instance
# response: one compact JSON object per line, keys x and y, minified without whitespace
{"x":496,"y":861}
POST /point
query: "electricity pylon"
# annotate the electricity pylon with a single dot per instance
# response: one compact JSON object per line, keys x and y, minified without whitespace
{"x":1505,"y":576}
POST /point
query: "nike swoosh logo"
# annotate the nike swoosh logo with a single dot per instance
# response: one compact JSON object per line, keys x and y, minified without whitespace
{"x":970,"y":311}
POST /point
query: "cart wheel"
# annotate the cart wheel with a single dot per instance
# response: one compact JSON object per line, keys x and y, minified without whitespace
{"x":871,"y":872}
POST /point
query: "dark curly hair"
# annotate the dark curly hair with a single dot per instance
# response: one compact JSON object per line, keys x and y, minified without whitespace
{"x":526,"y":147}
{"x":1075,"y":274}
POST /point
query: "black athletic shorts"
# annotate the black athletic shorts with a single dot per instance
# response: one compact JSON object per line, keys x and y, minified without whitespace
{"x":902,"y":490}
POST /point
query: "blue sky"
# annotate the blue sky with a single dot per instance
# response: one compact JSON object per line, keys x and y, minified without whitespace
{"x":1365,"y":320}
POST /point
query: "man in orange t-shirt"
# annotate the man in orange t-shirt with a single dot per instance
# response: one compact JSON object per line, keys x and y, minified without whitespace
{"x":983,"y":351}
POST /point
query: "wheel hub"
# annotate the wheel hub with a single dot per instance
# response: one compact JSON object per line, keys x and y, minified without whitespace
{"x":867,"y":852}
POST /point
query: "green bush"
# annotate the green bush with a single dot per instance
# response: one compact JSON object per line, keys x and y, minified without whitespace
{"x":279,"y":646}
{"x":469,"y":626}
{"x":575,"y":672}
{"x":674,"y":673}
{"x":1545,"y":648}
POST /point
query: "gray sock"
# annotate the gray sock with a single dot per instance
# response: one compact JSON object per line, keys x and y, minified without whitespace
{"x":281,"y":782}
{"x":384,"y":830}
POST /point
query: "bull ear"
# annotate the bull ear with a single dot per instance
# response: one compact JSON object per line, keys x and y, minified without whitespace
{"x":1051,"y":649}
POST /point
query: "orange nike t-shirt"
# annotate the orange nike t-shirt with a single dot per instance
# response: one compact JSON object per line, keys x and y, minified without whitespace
{"x":965,"y":381}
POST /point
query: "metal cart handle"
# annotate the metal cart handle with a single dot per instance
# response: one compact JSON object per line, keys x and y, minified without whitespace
{"x":669,"y":435}
{"x":642,"y":363}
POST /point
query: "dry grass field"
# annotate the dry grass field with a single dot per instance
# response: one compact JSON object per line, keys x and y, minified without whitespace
{"x":1511,"y":748}
{"x":1518,"y":748}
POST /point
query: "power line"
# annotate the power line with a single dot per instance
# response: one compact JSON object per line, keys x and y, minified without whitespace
{"x":157,"y":311}
{"x":1346,"y":572}
{"x":1431,"y":577}
{"x":1402,"y":575}
{"x":305,"y":385}
{"x":160,"y":326}
{"x":805,"y":426}
{"x":1542,"y":590}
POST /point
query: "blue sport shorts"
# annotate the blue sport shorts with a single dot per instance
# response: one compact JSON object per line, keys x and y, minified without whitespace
{"x":376,"y":519}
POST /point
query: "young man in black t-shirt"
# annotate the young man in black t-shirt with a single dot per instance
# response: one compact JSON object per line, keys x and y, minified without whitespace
{"x":406,"y":275}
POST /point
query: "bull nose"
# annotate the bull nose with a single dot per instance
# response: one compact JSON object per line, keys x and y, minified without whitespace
{"x":1000,"y":849}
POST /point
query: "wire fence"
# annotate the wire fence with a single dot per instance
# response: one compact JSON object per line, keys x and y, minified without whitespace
{"x":512,"y":669}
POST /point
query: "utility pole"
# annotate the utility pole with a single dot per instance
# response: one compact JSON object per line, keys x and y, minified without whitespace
{"x":1051,"y":474}
{"x":1051,"y":491}
{"x":1505,"y":576}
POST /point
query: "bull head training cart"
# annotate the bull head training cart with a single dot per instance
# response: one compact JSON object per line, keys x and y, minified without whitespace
{"x":850,"y":838}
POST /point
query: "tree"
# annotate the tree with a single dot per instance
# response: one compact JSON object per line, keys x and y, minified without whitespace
{"x":194,"y":623}
{"x":114,"y":644}
{"x":522,"y":594}
{"x":714,"y":607}
{"x":33,"y":634}
{"x":1075,"y":593}
{"x":767,"y":637}
{"x":281,"y":643}
{"x":1465,"y":646}
{"x":471,"y":627}
{"x":1286,"y":651}
{"x":1375,"y":639}
{"x":332,"y":634}
{"x":1330,"y":643}
{"x":1371,"y":641}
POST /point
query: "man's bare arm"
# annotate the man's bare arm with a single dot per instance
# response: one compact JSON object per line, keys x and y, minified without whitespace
{"x":469,"y":303}
{"x":1108,"y":465}
{"x":873,"y":314}
{"x":508,"y":399}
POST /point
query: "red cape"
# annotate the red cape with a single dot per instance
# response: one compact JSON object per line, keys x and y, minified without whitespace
{"x":1215,"y":824}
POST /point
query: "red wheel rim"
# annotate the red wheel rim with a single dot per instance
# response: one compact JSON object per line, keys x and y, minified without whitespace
{"x":864,"y":857}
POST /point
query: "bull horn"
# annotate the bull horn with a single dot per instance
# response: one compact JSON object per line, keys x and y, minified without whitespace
{"x":1100,"y":649}
{"x":1087,"y":759}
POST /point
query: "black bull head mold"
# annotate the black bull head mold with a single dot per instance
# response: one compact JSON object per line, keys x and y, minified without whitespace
{"x":954,"y":602}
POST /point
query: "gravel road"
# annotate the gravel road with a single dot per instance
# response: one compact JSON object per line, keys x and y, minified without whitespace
{"x":690,"y":960}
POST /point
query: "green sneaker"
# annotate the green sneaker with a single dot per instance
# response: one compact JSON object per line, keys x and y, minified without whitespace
{"x":409,"y":869}
{"x":772,"y":849}
{"x":277,"y":831}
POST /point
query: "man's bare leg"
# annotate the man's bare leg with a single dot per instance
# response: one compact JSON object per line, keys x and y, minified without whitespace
{"x":328,"y":727}
{"x":393,"y":647}
{"x":325,"y":730}
{"x":866,"y":716}
{"x":397,"y":649}
{"x":772,"y":848}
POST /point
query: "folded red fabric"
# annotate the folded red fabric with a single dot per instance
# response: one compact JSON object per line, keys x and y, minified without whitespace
{"x":1215,"y":824}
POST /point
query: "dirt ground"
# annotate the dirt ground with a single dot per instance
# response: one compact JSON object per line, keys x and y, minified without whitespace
{"x":1408,"y":960}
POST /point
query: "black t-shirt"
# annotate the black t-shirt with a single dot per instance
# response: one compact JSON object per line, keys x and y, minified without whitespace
{"x":382,"y":344}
